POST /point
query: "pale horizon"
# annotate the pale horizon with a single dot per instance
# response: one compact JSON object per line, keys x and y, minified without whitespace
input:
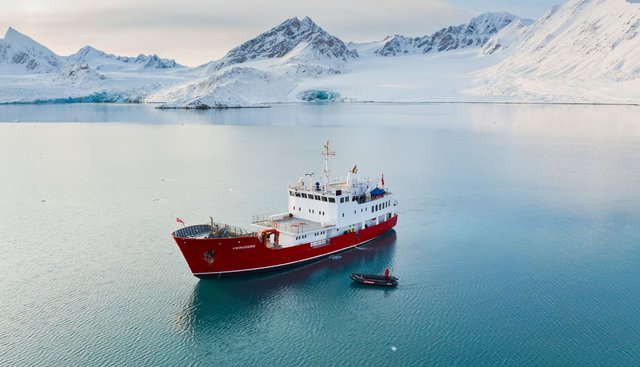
{"x":193,"y":34}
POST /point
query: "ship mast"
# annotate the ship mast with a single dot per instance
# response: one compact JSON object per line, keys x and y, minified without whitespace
{"x":326,"y":153}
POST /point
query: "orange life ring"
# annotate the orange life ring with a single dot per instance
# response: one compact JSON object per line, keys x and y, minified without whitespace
{"x":275,"y":225}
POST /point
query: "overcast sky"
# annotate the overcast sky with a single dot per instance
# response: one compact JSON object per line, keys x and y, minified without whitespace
{"x":197,"y":31}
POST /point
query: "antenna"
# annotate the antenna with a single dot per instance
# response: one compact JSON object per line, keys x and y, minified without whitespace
{"x":326,"y":153}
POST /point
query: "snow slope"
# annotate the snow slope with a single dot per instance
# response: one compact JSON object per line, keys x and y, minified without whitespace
{"x":581,"y":51}
{"x":507,"y":37}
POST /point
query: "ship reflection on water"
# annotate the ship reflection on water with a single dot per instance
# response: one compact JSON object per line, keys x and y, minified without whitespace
{"x":216,"y":305}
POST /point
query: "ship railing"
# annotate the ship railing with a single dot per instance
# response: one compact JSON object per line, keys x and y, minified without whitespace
{"x":291,"y":228}
{"x":219,"y":230}
{"x":261,"y":218}
{"x":368,"y":198}
{"x":279,"y":216}
{"x":193,"y":231}
{"x":268,"y":219}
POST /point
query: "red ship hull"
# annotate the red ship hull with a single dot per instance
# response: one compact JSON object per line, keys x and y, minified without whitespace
{"x":222,"y":257}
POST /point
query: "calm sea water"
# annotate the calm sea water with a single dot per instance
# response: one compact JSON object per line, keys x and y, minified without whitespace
{"x":518,"y":241}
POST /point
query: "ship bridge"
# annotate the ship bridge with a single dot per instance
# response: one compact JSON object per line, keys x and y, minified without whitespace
{"x":323,"y":208}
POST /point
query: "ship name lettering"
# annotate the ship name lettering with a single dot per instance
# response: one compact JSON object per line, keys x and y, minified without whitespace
{"x":243,"y":247}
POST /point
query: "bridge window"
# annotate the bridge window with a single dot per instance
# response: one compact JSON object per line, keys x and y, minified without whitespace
{"x":291,"y":193}
{"x":324,"y":198}
{"x":346,"y":199}
{"x":317,"y":197}
{"x":297,"y":194}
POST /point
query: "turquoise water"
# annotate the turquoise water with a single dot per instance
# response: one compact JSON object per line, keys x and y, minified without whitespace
{"x":518,"y":241}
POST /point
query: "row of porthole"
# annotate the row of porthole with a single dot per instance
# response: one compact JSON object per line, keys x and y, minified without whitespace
{"x":312,"y":197}
{"x":310,"y":211}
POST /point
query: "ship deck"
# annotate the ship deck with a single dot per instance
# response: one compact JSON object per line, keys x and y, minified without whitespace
{"x":290,"y":224}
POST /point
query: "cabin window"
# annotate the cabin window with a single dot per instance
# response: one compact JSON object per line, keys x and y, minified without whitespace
{"x":297,"y":194}
{"x":317,"y":197}
{"x":354,"y":212}
{"x":332,"y":200}
{"x":342,"y":200}
{"x":324,"y":198}
{"x":291,"y":193}
{"x":346,"y":200}
{"x":304,"y":195}
{"x":342,"y":215}
{"x":294,"y":208}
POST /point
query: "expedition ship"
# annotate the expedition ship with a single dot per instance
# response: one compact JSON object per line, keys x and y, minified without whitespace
{"x":323,"y":218}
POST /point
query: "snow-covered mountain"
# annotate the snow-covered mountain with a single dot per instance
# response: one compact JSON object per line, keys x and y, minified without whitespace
{"x":582,"y":50}
{"x":302,"y":40}
{"x":264,"y":69}
{"x":101,"y":60}
{"x":31,"y":72}
{"x":19,"y":54}
{"x":474,"y":33}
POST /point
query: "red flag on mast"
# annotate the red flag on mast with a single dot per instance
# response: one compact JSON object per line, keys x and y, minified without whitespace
{"x":382,"y":180}
{"x":180,"y":221}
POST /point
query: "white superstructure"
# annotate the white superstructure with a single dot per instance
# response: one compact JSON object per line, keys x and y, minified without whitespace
{"x":322,"y":209}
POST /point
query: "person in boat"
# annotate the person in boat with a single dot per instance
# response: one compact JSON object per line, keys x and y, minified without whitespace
{"x":386,"y":273}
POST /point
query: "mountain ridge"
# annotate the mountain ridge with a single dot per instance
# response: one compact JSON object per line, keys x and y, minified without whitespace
{"x":580,"y":51}
{"x":475,"y":33}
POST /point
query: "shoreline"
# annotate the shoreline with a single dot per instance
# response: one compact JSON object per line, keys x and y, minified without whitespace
{"x":268,"y":105}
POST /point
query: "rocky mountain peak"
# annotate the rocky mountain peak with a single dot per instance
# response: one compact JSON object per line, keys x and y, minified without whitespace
{"x":289,"y":35}
{"x":23,"y":54}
